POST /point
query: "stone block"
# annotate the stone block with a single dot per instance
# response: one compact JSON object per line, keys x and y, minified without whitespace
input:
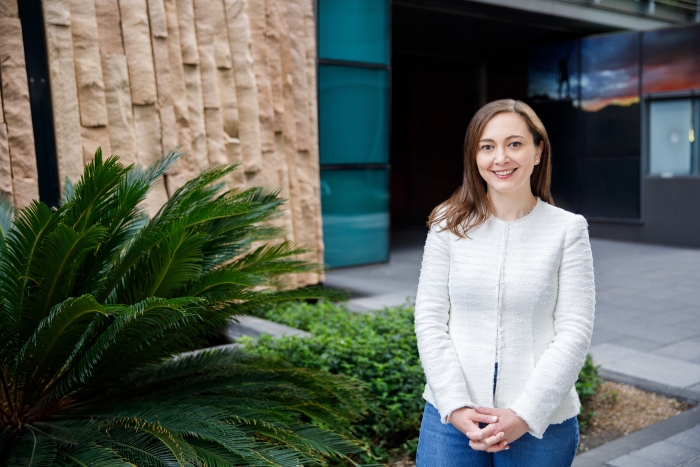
{"x":258,"y":25}
{"x":297,"y":36}
{"x":198,"y":159}
{"x":164,"y":82}
{"x":94,"y":137}
{"x":64,"y":98}
{"x":88,"y":67}
{"x":188,"y":34}
{"x":170,"y":138}
{"x":8,"y":9}
{"x":222,"y":49}
{"x":5,"y":165}
{"x":156,"y":13}
{"x":246,"y":89}
{"x":148,"y":134}
{"x":119,"y":108}
{"x":177,"y":76}
{"x":274,"y":61}
{"x":15,"y":92}
{"x":207,"y":62}
{"x":215,"y":137}
{"x":156,"y":198}
{"x":137,"y":44}
{"x":109,"y":27}
{"x":229,"y":102}
{"x":234,"y":156}
{"x":24,"y":191}
{"x":56,"y":12}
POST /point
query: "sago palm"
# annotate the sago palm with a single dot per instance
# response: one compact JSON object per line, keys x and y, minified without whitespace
{"x":102,"y":310}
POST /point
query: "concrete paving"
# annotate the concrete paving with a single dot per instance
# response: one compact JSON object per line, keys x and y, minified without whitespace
{"x":647,"y":325}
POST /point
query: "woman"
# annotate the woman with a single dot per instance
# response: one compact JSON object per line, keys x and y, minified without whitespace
{"x":505,"y":304}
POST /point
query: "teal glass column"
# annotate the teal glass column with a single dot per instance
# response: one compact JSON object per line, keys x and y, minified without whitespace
{"x":353,"y":102}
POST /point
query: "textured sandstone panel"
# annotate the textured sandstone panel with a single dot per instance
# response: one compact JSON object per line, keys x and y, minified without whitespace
{"x":183,"y":170}
{"x":56,"y":12}
{"x":8,"y":9}
{"x":224,"y":66}
{"x":157,"y":197}
{"x":258,"y":25}
{"x":311,"y":53}
{"x":188,"y":34}
{"x":24,"y":190}
{"x":88,"y":67}
{"x":148,"y":136}
{"x":215,"y":137}
{"x":92,"y":139}
{"x":137,"y":43}
{"x":156,"y":13}
{"x":246,"y":89}
{"x":234,"y":156}
{"x":109,"y":27}
{"x":64,"y":91}
{"x":193,"y":84}
{"x":5,"y":167}
{"x":119,"y":109}
{"x":15,"y":91}
{"x":297,"y":35}
{"x":274,"y":60}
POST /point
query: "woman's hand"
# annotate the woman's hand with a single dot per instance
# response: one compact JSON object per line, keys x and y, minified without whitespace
{"x":507,"y":429}
{"x":467,"y":421}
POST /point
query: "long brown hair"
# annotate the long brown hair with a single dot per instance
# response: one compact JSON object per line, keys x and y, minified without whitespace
{"x":469,"y":206}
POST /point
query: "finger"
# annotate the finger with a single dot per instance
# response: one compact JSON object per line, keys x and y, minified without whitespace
{"x":478,"y":435}
{"x":502,"y":446}
{"x":478,"y":446}
{"x":484,"y":418}
{"x":495,"y":439}
{"x":485,"y":410}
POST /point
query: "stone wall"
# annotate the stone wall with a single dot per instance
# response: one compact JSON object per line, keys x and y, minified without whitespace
{"x":18,"y":172}
{"x":228,"y":80}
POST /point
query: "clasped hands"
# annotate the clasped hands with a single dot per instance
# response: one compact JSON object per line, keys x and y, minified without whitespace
{"x":503,"y":427}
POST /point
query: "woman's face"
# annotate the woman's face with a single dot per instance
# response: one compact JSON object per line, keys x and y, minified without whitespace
{"x":507,"y":154}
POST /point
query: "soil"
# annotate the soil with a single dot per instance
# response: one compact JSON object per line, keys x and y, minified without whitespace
{"x":619,"y":410}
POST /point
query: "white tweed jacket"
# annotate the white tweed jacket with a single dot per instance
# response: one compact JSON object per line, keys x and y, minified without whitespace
{"x":517,"y":293}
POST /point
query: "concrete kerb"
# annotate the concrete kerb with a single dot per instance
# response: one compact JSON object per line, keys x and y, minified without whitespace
{"x":599,"y":456}
{"x":682,"y":394}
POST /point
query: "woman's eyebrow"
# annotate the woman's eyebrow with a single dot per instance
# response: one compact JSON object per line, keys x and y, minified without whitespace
{"x":492,"y":141}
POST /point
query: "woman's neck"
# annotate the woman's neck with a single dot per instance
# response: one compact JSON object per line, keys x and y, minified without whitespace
{"x":511,"y":206}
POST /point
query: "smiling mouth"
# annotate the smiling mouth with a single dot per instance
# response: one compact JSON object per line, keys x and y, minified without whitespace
{"x":503,"y":173}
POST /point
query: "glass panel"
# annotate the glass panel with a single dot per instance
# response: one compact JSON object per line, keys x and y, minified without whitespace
{"x":355,"y":207}
{"x":354,"y":30}
{"x":670,"y":135}
{"x":353,"y":115}
{"x":671,"y":59}
{"x":553,"y":72}
{"x":609,"y":189}
{"x":611,"y":132}
{"x":609,"y":71}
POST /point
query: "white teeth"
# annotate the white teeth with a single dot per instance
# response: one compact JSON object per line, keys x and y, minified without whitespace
{"x":505,"y":172}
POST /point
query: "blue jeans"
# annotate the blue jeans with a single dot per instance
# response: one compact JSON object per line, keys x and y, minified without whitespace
{"x":442,"y":445}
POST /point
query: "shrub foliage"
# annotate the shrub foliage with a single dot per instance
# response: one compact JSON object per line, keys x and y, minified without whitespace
{"x":99,"y":306}
{"x":380,"y":350}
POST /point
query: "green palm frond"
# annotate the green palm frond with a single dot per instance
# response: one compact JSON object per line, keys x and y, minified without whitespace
{"x":103,"y":313}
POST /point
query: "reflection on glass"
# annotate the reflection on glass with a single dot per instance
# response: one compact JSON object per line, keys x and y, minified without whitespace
{"x":671,"y":59}
{"x":355,"y":207}
{"x":354,"y":30}
{"x":609,"y":71}
{"x":353,"y":115}
{"x":670,"y":134}
{"x":553,"y":72}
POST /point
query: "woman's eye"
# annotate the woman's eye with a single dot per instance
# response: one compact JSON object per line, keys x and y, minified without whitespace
{"x":486,"y":147}
{"x":516,"y":144}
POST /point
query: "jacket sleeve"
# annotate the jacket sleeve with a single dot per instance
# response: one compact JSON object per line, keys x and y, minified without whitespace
{"x":437,"y":353}
{"x":557,"y":370}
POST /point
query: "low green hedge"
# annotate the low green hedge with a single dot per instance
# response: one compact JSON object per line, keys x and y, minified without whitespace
{"x":379,"y":349}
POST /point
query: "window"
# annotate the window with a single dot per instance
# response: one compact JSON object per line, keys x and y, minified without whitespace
{"x":673,"y":127}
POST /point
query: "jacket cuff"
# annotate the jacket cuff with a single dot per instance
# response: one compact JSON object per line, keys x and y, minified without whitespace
{"x":445,"y":414}
{"x":534,"y":418}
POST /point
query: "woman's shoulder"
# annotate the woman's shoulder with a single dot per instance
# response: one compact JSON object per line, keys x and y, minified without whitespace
{"x":556,"y":214}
